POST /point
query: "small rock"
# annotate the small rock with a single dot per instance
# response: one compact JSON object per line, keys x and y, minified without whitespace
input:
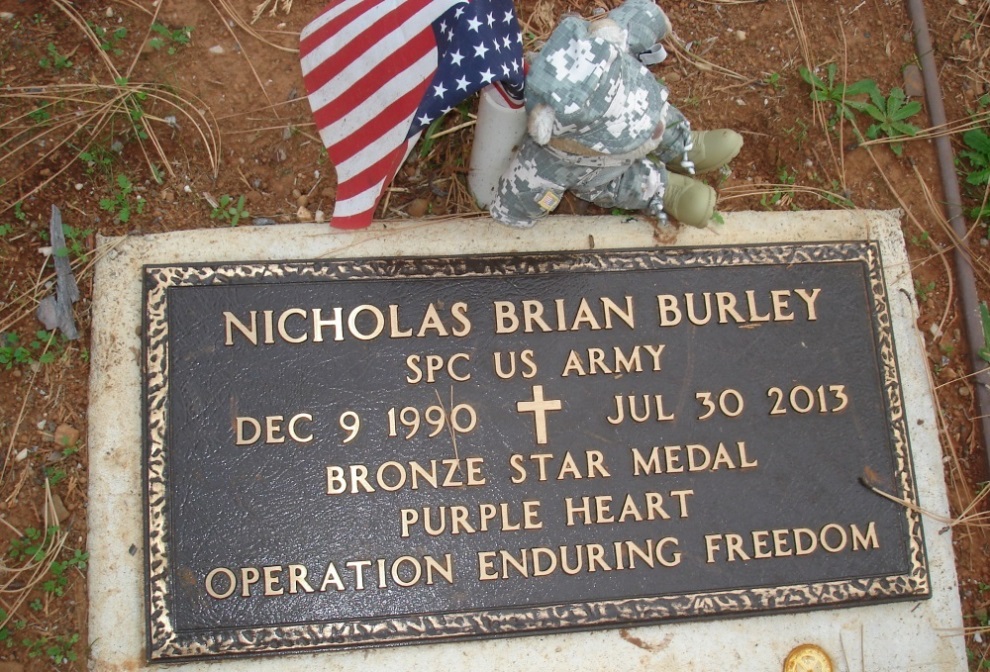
{"x":109,"y":12}
{"x":964,"y":392}
{"x":672,"y":77}
{"x":167,"y":195}
{"x":45,"y":172}
{"x":302,"y":201}
{"x":61,"y":512}
{"x":741,"y":35}
{"x":949,"y":373}
{"x":914,"y":85}
{"x":216,"y":49}
{"x":79,"y":186}
{"x":6,"y":16}
{"x":23,"y":453}
{"x":319,"y":216}
{"x":418,"y":208}
{"x":66,"y":436}
{"x":304,"y":215}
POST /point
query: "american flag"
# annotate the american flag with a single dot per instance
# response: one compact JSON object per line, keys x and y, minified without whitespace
{"x":380,"y":71}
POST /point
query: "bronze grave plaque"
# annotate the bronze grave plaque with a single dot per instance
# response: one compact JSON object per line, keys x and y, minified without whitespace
{"x":374,"y":452}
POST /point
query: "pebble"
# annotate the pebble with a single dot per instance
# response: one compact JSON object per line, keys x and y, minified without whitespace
{"x":66,"y":436}
{"x":78,"y":186}
{"x":914,"y":85}
{"x":302,"y":201}
{"x":964,"y":392}
{"x":216,"y":49}
{"x":61,"y":512}
{"x":304,"y":215}
{"x":741,"y":35}
{"x":418,"y":207}
{"x":6,"y":16}
{"x":167,"y":195}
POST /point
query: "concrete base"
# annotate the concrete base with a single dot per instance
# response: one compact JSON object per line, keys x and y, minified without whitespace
{"x":919,"y":636}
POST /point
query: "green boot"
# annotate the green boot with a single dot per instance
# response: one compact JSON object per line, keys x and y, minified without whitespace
{"x":711,"y":150}
{"x":688,"y":201}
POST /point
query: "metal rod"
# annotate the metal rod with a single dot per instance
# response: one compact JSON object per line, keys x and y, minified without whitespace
{"x":950,"y":185}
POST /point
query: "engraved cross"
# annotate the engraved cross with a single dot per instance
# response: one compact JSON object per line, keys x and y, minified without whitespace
{"x":539,"y":407}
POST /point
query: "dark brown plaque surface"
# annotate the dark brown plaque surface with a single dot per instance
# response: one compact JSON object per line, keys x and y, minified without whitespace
{"x":372,"y":452}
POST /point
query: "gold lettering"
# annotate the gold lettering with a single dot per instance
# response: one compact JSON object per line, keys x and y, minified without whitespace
{"x":779,"y":298}
{"x":809,"y":301}
{"x":281,"y":325}
{"x":230,"y":320}
{"x":271,"y":580}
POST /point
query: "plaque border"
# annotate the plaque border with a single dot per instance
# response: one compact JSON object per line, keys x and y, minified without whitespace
{"x":164,"y":643}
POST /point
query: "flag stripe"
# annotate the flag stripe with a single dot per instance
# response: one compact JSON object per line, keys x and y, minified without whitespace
{"x":383,"y":24}
{"x":348,"y":95}
{"x":386,"y":111}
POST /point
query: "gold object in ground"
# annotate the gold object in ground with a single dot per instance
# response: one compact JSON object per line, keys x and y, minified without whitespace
{"x":808,"y":658}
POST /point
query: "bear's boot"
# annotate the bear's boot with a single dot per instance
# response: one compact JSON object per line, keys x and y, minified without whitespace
{"x":710,"y":150}
{"x":688,"y":201}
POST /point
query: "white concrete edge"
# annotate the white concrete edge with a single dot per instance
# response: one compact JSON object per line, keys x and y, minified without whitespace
{"x":873,"y":635}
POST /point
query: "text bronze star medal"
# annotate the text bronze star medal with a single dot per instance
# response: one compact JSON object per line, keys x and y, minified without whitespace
{"x":371,"y":452}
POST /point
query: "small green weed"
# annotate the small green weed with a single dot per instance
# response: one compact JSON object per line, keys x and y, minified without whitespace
{"x":169,"y":39}
{"x":120,"y":203}
{"x":838,"y":94}
{"x":780,"y":197}
{"x":109,"y":40}
{"x":57,"y":584}
{"x":890,"y":114}
{"x":97,"y":158}
{"x":923,"y":290}
{"x":977,"y":157}
{"x":58,"y":648}
{"x":41,"y":115}
{"x":975,"y":161}
{"x":54,"y":59}
{"x":12,"y":351}
{"x":31,"y":547}
{"x":984,"y":352}
{"x":75,"y":242}
{"x":924,"y":240}
{"x":772,"y":80}
{"x":232,"y":214}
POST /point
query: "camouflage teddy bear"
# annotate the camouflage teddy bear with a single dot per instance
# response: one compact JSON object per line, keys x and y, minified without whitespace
{"x":601,"y":126}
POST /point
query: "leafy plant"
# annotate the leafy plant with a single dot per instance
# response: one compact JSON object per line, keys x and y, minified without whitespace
{"x":31,"y":546}
{"x":109,"y":40}
{"x":58,"y":648}
{"x":890,"y":114}
{"x":923,"y":290}
{"x":838,"y":94}
{"x":976,"y":157}
{"x":12,"y":351}
{"x":164,"y":36}
{"x":984,"y":352}
{"x":120,"y":202}
{"x":75,"y":242}
{"x":229,"y":211}
{"x":780,"y":196}
{"x":54,"y":59}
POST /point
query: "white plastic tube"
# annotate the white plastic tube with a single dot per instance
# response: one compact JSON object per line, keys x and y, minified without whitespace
{"x":497,"y":134}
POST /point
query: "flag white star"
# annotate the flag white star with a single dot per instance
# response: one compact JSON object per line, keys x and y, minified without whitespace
{"x":506,"y":42}
{"x":439,"y":90}
{"x":456,"y":57}
{"x":462,"y":84}
{"x":458,"y":12}
{"x":491,"y":20}
{"x":474,"y":24}
{"x":505,"y":70}
{"x":424,"y":120}
{"x":507,"y":18}
{"x":481,"y":50}
{"x":487,"y":76}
